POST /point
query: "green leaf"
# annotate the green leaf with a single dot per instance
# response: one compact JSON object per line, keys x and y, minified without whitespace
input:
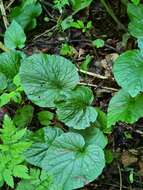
{"x":37,"y":152}
{"x":23,"y":116}
{"x":128,"y":71}
{"x":76,"y":111}
{"x":72,"y":163}
{"x":14,"y":36}
{"x":93,"y":135}
{"x":9,"y":63}
{"x":3,"y":82}
{"x":26,"y":15}
{"x":78,"y":5}
{"x":21,"y":171}
{"x":45,"y":78}
{"x":136,"y":25}
{"x":98,"y":43}
{"x":44,"y":117}
{"x":7,"y":175}
{"x":135,"y":2}
{"x":125,"y":108}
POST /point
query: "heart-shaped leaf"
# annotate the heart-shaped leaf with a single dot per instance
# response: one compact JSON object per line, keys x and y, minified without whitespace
{"x":37,"y":152}
{"x":14,"y":36}
{"x":45,"y":78}
{"x":26,"y":15}
{"x":136,"y":25}
{"x":72,"y":163}
{"x":76,"y":111}
{"x":128,"y":71}
{"x":124,"y":108}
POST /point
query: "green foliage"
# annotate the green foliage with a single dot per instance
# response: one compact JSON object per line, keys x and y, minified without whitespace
{"x":135,"y":2}
{"x":23,"y":116}
{"x":46,"y":78}
{"x":84,"y":162}
{"x":14,"y":36}
{"x":124,"y":107}
{"x":135,"y":13}
{"x":11,"y":155}
{"x":98,"y":43}
{"x":39,"y":180}
{"x":3,"y":82}
{"x":78,"y":5}
{"x":128,"y":71}
{"x":26,"y":14}
{"x":67,"y":50}
{"x":60,"y":4}
{"x":76,"y":110}
{"x":45,"y":117}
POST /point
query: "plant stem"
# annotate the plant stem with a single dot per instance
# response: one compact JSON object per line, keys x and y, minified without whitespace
{"x":111,"y":13}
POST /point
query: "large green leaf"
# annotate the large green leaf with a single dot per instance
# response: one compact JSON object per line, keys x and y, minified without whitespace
{"x":45,"y":78}
{"x":128,"y":71}
{"x":124,"y":108}
{"x":76,"y":111}
{"x":37,"y":152}
{"x":136,"y":25}
{"x":26,"y":15}
{"x":10,"y":63}
{"x":14,"y":36}
{"x":72,"y":163}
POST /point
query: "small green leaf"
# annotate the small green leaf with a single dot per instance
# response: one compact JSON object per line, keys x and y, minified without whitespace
{"x":46,"y":78}
{"x":3,"y":82}
{"x":98,"y":43}
{"x":23,"y":116}
{"x":78,"y":5}
{"x":45,"y":117}
{"x":7,"y":175}
{"x":128,"y":71}
{"x":124,"y":108}
{"x":21,"y":171}
{"x":14,"y":36}
{"x":72,"y":163}
{"x":135,"y":2}
{"x":76,"y":111}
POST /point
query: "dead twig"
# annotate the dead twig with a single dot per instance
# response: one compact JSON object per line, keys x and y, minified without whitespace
{"x":2,"y":47}
{"x":3,"y":12}
{"x":109,"y":89}
{"x":10,"y":3}
{"x":120,"y":176}
{"x":92,"y":74}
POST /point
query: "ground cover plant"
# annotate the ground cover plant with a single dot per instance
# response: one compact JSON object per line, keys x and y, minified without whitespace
{"x":71,"y":93}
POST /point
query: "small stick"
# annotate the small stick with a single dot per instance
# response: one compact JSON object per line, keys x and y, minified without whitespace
{"x":92,"y":74}
{"x":96,"y":86}
{"x":2,"y":9}
{"x":120,"y":175}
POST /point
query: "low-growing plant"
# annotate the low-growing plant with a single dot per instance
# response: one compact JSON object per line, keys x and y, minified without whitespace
{"x":69,"y":147}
